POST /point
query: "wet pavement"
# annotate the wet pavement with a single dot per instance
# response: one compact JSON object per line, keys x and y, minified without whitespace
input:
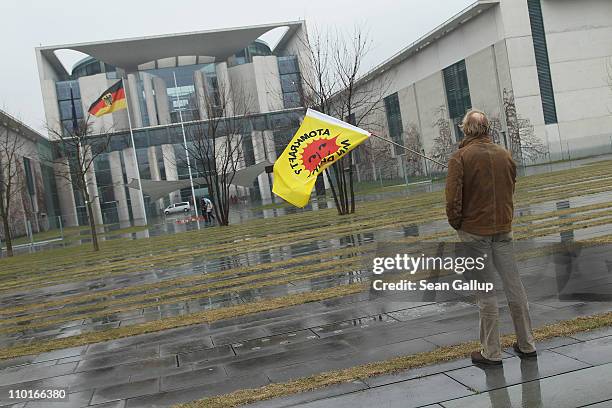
{"x":566,"y":374}
{"x":179,"y":365}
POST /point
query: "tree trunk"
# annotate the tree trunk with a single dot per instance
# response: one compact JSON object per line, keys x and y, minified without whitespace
{"x":7,"y":236}
{"x":333,"y":189}
{"x":92,"y":226}
{"x":351,"y":189}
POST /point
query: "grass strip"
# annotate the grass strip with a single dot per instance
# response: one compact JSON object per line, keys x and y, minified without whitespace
{"x":394,"y":365}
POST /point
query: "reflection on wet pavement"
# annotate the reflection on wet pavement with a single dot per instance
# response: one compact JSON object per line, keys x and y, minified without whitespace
{"x":253,"y":350}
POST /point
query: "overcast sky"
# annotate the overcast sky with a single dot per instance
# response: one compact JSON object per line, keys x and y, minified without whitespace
{"x":25,"y":24}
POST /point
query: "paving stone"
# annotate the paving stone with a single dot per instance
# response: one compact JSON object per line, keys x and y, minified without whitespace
{"x":549,"y":344}
{"x":603,"y":404}
{"x":13,"y":362}
{"x":314,"y":395}
{"x":75,"y":400}
{"x":206,"y":355}
{"x":406,"y":394}
{"x":515,"y":371}
{"x":85,"y":380}
{"x":593,"y":334}
{"x":34,"y":372}
{"x":290,"y":356}
{"x":434,"y":309}
{"x":59,"y":354}
{"x":575,"y":389}
{"x":595,"y":352}
{"x":236,"y":336}
{"x":169,"y":398}
{"x":256,"y":345}
{"x":192,"y":378}
{"x":453,"y":337}
{"x":113,"y":404}
{"x":353,"y":324}
{"x":417,"y":372}
{"x":345,"y":360}
{"x":118,"y":357}
{"x":124,"y":391}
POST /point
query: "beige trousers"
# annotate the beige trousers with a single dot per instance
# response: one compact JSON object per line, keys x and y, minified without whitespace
{"x":500,"y":251}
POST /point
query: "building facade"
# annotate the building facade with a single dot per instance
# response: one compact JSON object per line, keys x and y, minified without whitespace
{"x":540,"y":69}
{"x":172,"y":83}
{"x":24,"y":153}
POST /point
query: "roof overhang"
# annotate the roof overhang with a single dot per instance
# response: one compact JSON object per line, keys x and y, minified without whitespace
{"x":157,"y":189}
{"x":454,"y":22}
{"x":129,"y":53}
{"x":7,"y":120}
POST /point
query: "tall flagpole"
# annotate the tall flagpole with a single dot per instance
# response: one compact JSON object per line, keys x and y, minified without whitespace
{"x":195,"y":204}
{"x":144,"y":209}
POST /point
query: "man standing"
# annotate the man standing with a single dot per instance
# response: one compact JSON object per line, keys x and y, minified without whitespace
{"x":479,"y":205}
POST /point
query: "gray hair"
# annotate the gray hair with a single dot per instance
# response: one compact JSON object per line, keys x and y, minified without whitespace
{"x":475,"y":124}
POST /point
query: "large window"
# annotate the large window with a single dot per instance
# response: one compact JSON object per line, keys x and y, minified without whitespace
{"x":394,"y":120}
{"x":457,"y":94}
{"x":106,"y":190}
{"x":69,"y":102}
{"x":542,"y":64}
{"x":182,"y":98}
{"x":289,"y":71}
{"x":245,"y":56}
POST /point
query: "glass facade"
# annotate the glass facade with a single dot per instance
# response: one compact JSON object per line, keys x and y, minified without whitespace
{"x":52,"y":206}
{"x":182,"y":98}
{"x":457,"y":94}
{"x":289,"y":71}
{"x":285,"y":124}
{"x":91,"y":66}
{"x":394,"y":120}
{"x":69,"y":99}
{"x":245,"y":56}
{"x":106,"y":190}
{"x":163,"y":104}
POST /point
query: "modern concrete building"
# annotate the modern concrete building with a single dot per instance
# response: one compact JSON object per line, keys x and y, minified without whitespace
{"x":202,"y":63}
{"x":540,"y":68}
{"x":34,"y":202}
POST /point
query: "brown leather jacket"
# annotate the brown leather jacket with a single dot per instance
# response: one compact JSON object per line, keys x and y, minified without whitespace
{"x":479,"y":187}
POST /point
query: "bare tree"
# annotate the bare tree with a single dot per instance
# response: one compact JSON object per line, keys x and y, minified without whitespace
{"x":525,"y":146}
{"x":216,"y":143}
{"x":413,"y":142}
{"x":332,"y":85}
{"x":443,"y":143}
{"x":76,"y":149}
{"x":12,"y":183}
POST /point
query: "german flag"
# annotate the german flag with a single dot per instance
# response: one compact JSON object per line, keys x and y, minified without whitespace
{"x":111,"y":100}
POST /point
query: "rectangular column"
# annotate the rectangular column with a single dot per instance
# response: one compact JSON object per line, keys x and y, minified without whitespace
{"x":116,"y":170}
{"x":131,"y":173}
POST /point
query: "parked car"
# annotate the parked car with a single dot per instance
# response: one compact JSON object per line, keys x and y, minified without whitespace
{"x":177,"y":207}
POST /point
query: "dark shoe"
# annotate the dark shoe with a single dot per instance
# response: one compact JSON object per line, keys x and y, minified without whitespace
{"x":477,"y":358}
{"x":533,"y":354}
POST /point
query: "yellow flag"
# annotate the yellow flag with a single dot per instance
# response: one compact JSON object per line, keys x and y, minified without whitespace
{"x":319,"y":142}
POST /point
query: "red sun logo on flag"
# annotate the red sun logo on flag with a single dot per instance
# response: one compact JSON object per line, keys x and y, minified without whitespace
{"x":317,"y":150}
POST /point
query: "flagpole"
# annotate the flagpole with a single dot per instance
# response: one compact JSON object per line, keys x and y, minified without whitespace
{"x":144,"y":209}
{"x":409,"y":149}
{"x":195,"y":204}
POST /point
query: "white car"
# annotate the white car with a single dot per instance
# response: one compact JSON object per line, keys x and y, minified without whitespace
{"x":177,"y":208}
